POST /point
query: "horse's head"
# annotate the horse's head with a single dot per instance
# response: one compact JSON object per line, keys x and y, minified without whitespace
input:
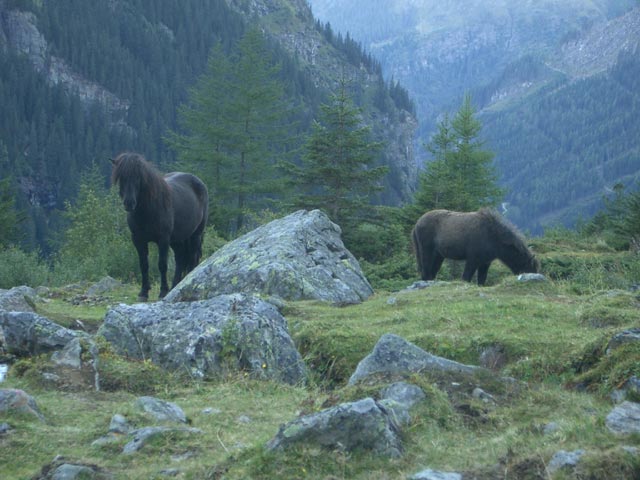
{"x":125,"y":173}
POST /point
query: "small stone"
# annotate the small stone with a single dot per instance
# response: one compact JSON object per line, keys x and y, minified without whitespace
{"x":563,"y":460}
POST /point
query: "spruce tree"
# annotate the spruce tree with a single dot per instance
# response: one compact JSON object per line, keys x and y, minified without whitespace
{"x":461,"y":175}
{"x":337,"y":173}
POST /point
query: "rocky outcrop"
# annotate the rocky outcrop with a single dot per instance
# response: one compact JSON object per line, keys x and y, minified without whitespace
{"x":624,"y":418}
{"x":28,"y":334}
{"x":18,"y":299}
{"x":20,"y":30}
{"x":207,"y":338}
{"x":393,"y":356}
{"x":14,"y":401}
{"x":361,"y":425}
{"x":298,"y":257}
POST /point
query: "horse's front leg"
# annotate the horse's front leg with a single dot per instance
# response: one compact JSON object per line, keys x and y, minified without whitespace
{"x":143,"y":258}
{"x":163,"y":254}
{"x":470,"y":268}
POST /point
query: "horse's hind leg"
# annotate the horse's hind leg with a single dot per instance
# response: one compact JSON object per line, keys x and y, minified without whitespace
{"x":483,"y":270}
{"x":180,"y":252}
{"x":163,"y":254}
{"x":436,"y":263}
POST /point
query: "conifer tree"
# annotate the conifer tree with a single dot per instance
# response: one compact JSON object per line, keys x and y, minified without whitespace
{"x":461,"y":175}
{"x":338,"y":173}
{"x":237,"y":122}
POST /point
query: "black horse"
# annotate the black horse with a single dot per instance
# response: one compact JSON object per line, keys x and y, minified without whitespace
{"x":477,"y":237}
{"x":170,"y":211}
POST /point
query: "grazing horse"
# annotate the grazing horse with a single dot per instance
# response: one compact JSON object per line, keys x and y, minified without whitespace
{"x":169,"y":210}
{"x":477,"y":237}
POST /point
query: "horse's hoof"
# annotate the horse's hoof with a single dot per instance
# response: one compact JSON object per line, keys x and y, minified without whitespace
{"x":142,"y":299}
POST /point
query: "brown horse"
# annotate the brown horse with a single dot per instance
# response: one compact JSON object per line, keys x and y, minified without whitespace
{"x":477,"y":237}
{"x":169,"y":210}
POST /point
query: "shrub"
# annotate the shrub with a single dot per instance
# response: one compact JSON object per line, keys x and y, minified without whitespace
{"x":20,"y":268}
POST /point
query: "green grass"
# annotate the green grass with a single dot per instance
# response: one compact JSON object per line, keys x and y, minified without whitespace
{"x":551,"y":335}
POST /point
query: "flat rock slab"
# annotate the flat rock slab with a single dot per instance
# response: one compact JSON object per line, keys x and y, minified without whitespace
{"x":297,"y":257}
{"x":394,"y":355}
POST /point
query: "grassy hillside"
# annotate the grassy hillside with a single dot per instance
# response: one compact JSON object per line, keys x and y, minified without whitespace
{"x":550,"y":335}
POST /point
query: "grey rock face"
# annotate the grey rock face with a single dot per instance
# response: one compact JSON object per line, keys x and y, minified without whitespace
{"x":627,"y":336}
{"x":435,"y":475}
{"x":364,"y":424}
{"x":13,"y":400}
{"x":394,"y":355}
{"x":399,"y":397}
{"x":563,"y":460}
{"x":298,"y":257}
{"x":162,"y":410}
{"x":141,"y":436}
{"x":624,"y":418}
{"x":18,"y":299}
{"x":531,"y":277}
{"x":207,"y":338}
{"x":30,"y":334}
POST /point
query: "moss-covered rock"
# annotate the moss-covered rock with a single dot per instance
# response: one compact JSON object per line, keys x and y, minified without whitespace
{"x":297,"y":257}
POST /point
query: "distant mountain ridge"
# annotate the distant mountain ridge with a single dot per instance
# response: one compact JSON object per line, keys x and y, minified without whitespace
{"x":526,"y":64}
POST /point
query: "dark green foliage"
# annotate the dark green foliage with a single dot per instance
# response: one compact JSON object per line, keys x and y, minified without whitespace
{"x":337,"y":172}
{"x":21,"y":268}
{"x":97,"y":241}
{"x":546,"y":169}
{"x":237,"y":122}
{"x":619,"y":222}
{"x":143,"y":52}
{"x":8,"y":214}
{"x":461,"y":175}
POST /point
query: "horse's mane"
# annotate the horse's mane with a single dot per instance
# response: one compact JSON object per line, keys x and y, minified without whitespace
{"x":132,"y":165}
{"x":504,"y":230}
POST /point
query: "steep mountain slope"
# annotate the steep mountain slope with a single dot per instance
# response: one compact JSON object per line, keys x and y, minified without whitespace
{"x":81,"y":81}
{"x":509,"y":55}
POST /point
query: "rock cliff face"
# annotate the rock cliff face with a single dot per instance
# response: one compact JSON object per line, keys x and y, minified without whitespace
{"x":19,"y":32}
{"x":292,"y":24}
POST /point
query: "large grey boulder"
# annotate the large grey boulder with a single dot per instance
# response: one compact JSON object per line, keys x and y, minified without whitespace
{"x":362,"y":425}
{"x":28,"y":334}
{"x":298,"y":257}
{"x":18,"y":299}
{"x":207,"y":338}
{"x":393,"y":355}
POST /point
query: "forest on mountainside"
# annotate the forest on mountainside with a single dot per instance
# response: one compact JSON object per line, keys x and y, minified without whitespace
{"x":589,"y":127}
{"x":555,"y":84}
{"x":147,"y":53}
